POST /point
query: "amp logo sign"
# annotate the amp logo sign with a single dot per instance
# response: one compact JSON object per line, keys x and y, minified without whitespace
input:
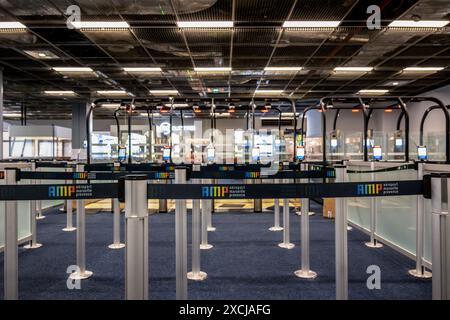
{"x":61,"y":191}
{"x":368,"y":189}
{"x":80,"y":175}
{"x":215,"y":192}
{"x":252,"y":175}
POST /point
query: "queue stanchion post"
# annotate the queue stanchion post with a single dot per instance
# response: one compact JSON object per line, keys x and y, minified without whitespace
{"x":286,"y":244}
{"x":81,"y":273}
{"x":373,"y":243}
{"x":305,"y":272}
{"x":33,"y":244}
{"x":69,"y":212}
{"x":341,"y":241}
{"x":257,"y":203}
{"x":11,"y":251}
{"x":276,"y":216}
{"x":116,"y":226}
{"x":210,"y":204}
{"x":136,"y":237}
{"x":440,"y":189}
{"x":420,"y":271}
{"x":39,"y":215}
{"x":196,"y":274}
{"x":181,"y":239}
{"x":204,"y":210}
{"x":163,"y":207}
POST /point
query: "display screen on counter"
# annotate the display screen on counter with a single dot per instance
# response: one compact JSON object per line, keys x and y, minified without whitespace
{"x":422,"y":153}
{"x":377,"y":153}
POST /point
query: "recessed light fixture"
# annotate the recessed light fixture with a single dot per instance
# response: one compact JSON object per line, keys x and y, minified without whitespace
{"x":142,"y":69}
{"x":283,"y":68}
{"x":164,"y":92}
{"x":395,"y":83}
{"x":353,"y":69}
{"x":110,"y":105}
{"x":59,"y":92}
{"x":373,"y":91}
{"x":213,"y":69}
{"x":418,"y":24}
{"x":311,"y":24}
{"x":269,"y":92}
{"x":73,"y":69}
{"x":42,"y":54}
{"x":112,"y":92}
{"x":101,"y":25}
{"x":423,"y":69}
{"x":205,"y":24}
{"x":12,"y":25}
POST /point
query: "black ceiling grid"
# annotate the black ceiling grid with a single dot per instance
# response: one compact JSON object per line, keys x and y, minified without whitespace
{"x":256,"y":41}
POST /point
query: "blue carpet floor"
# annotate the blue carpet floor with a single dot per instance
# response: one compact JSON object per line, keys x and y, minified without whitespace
{"x":245,"y":263}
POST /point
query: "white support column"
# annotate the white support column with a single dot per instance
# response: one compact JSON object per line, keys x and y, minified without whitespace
{"x":116,"y":226}
{"x":196,"y":274}
{"x":136,"y":238}
{"x":210,"y":204}
{"x":204,"y":209}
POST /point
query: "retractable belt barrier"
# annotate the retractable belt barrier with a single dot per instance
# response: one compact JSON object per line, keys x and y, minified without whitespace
{"x":218,"y":191}
{"x":159,"y":175}
{"x":402,"y":167}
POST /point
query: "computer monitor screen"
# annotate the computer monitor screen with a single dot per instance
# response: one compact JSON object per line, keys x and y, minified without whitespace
{"x":166,"y":154}
{"x":300,"y":153}
{"x":211,"y":154}
{"x":122,"y":153}
{"x":399,"y":142}
{"x":422,"y":153}
{"x":334,"y":142}
{"x":255,"y":154}
{"x":377,"y":153}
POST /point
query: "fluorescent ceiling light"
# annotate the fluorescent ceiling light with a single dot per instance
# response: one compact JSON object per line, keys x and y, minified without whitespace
{"x":269,"y":91}
{"x":177,"y":105}
{"x":59,"y":92}
{"x":213,"y":69}
{"x":205,"y":24}
{"x":12,"y":25}
{"x":353,"y":69}
{"x":418,"y":24}
{"x":100,"y":24}
{"x":373,"y":91}
{"x":283,"y":68}
{"x":311,"y":24}
{"x":72,"y":69}
{"x":110,"y":105}
{"x":423,"y":69}
{"x":42,"y":54}
{"x":164,"y":92}
{"x":112,"y":92}
{"x":142,"y":69}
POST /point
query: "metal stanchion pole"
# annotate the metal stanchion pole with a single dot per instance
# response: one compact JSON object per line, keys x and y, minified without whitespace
{"x":305,"y":272}
{"x":69,"y":212}
{"x":257,"y":203}
{"x":373,"y":243}
{"x":276,"y":216}
{"x":286,"y":244}
{"x":341,"y":244}
{"x":11,"y":256}
{"x":180,"y":239}
{"x":116,"y":227}
{"x":440,"y":237}
{"x":39,"y":216}
{"x":163,"y":202}
{"x":33,"y":244}
{"x":210,"y":204}
{"x":204,"y":204}
{"x":420,"y":271}
{"x":136,"y":238}
{"x":82,"y":273}
{"x":196,"y":274}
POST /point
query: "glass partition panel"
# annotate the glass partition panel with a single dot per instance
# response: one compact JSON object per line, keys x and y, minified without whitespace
{"x":353,"y":148}
{"x":435,"y":143}
{"x":358,"y":209}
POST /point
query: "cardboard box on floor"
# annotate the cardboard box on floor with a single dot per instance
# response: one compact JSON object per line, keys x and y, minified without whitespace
{"x":329,"y":207}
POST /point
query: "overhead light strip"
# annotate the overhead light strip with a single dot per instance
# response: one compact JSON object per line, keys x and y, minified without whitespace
{"x":100,"y":25}
{"x":373,"y":91}
{"x":205,"y":24}
{"x":423,"y":69}
{"x":311,"y":24}
{"x":142,"y":69}
{"x":56,"y":92}
{"x":163,"y":92}
{"x":12,"y":25}
{"x":73,"y":69}
{"x":353,"y":69}
{"x":419,"y":24}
